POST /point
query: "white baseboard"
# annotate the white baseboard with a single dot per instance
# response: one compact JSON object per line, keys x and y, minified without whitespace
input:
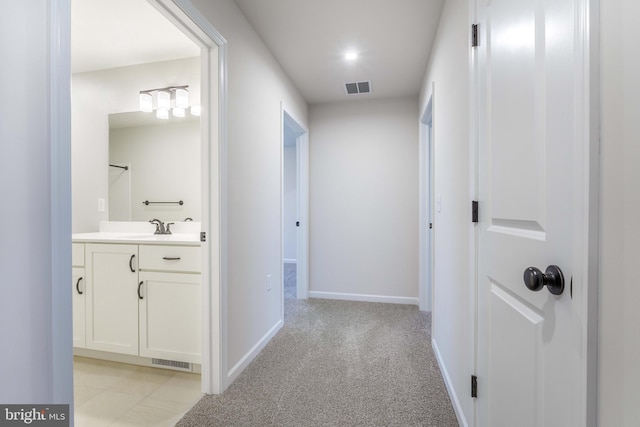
{"x":251,"y":354}
{"x":457,"y":407}
{"x":290,"y":261}
{"x":363,"y":297}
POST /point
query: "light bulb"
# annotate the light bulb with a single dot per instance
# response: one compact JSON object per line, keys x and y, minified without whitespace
{"x":146,"y":102}
{"x":164,"y":100}
{"x":182,"y":98}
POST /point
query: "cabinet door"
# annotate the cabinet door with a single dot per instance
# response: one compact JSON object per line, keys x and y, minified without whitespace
{"x":79,"y":287}
{"x":111,"y":298}
{"x":170,"y":320}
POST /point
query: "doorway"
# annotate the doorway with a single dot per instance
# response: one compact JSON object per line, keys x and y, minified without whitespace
{"x":210,"y":46}
{"x":426,"y":189}
{"x":295,"y":208}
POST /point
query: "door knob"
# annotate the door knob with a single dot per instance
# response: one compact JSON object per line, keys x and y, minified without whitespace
{"x":552,"y":278}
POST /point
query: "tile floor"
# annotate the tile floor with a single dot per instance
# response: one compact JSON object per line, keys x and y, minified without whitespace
{"x":119,"y":395}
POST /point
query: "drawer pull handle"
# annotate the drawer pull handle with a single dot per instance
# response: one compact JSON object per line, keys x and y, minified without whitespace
{"x":169,"y":258}
{"x":131,"y":263}
{"x":78,"y":286}
{"x":139,"y":286}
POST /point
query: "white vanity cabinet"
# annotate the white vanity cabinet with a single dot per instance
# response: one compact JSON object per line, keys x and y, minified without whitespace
{"x":78,"y":291}
{"x":111,"y":298}
{"x":170,"y":295}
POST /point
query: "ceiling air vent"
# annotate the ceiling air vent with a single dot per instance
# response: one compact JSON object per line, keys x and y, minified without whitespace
{"x":357,"y":87}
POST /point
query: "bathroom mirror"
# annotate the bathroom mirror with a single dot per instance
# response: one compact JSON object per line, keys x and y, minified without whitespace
{"x":154,"y":167}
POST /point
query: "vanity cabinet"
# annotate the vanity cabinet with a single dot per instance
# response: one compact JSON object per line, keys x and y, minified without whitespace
{"x":78,"y":283}
{"x":139,"y":300}
{"x":111,"y":298}
{"x":170,"y":295}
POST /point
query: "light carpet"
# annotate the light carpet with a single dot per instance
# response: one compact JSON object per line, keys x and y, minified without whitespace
{"x":337,"y":363}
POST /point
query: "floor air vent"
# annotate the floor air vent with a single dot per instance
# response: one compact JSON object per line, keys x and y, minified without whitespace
{"x":181,"y":366}
{"x":357,"y":87}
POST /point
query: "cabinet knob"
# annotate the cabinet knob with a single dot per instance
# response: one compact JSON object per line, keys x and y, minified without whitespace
{"x":78,"y":286}
{"x":139,"y":286}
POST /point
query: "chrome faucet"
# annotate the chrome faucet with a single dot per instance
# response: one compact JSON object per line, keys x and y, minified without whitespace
{"x":159,"y":226}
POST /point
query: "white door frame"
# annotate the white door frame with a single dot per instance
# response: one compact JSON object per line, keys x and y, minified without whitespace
{"x":426,"y":188}
{"x":302,"y":184}
{"x":187,"y":18}
{"x":584,"y":284}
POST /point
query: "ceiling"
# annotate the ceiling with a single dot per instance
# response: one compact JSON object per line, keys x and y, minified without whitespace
{"x":310,"y":37}
{"x":307,"y":37}
{"x":117,"y":33}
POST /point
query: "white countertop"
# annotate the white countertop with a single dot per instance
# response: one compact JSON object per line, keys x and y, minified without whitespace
{"x":187,"y":233}
{"x":189,"y":239}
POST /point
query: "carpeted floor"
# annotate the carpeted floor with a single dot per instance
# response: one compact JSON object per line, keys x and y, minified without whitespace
{"x":337,"y":363}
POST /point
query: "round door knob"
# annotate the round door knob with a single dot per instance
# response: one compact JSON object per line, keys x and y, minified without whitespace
{"x":552,"y":278}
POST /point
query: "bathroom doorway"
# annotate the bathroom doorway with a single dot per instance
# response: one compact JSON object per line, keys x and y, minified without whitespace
{"x":208,"y":48}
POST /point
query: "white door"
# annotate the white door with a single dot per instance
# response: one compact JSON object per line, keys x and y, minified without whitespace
{"x":527,"y":347}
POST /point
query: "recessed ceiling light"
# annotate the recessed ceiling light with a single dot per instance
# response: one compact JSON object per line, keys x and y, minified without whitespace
{"x":350,"y":56}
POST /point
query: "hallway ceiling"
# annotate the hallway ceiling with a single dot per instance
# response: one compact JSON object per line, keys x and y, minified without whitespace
{"x":310,"y":37}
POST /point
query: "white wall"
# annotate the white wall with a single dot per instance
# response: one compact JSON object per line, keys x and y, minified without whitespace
{"x":35,"y":245}
{"x":290,"y":205}
{"x":364,"y":199}
{"x":164,"y":161}
{"x":257,"y":86}
{"x":97,"y":94}
{"x":452,"y":306}
{"x":619,"y":317}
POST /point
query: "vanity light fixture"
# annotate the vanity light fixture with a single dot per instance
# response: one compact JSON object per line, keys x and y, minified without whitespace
{"x":176,"y":95}
{"x":196,"y":110}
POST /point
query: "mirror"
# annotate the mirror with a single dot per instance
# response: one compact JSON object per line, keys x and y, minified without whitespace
{"x":154,"y":167}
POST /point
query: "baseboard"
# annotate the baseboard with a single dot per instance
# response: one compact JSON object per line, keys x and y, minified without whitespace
{"x":290,"y":261}
{"x":457,"y":407}
{"x":363,"y":297}
{"x":251,"y":354}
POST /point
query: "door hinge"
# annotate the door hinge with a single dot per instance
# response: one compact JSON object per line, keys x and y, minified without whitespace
{"x":474,"y":386}
{"x":430,"y":225}
{"x":203,"y":236}
{"x":475,"y":41}
{"x":474,"y":211}
{"x":297,"y":223}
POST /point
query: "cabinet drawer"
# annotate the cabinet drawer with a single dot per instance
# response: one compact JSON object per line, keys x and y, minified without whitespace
{"x":170,"y":258}
{"x":77,"y":254}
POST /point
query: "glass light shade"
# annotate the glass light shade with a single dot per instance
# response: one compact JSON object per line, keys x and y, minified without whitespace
{"x":146,"y":102}
{"x":182,"y":98}
{"x":178,"y":112}
{"x":195,"y":110}
{"x":162,"y":114}
{"x":164,"y":100}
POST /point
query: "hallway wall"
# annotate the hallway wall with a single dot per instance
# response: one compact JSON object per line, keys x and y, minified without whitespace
{"x":619,"y":317}
{"x":453,"y":309}
{"x":257,"y":86}
{"x":364,"y":200}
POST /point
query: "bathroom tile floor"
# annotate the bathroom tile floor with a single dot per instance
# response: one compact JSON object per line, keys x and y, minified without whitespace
{"x":119,"y":395}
